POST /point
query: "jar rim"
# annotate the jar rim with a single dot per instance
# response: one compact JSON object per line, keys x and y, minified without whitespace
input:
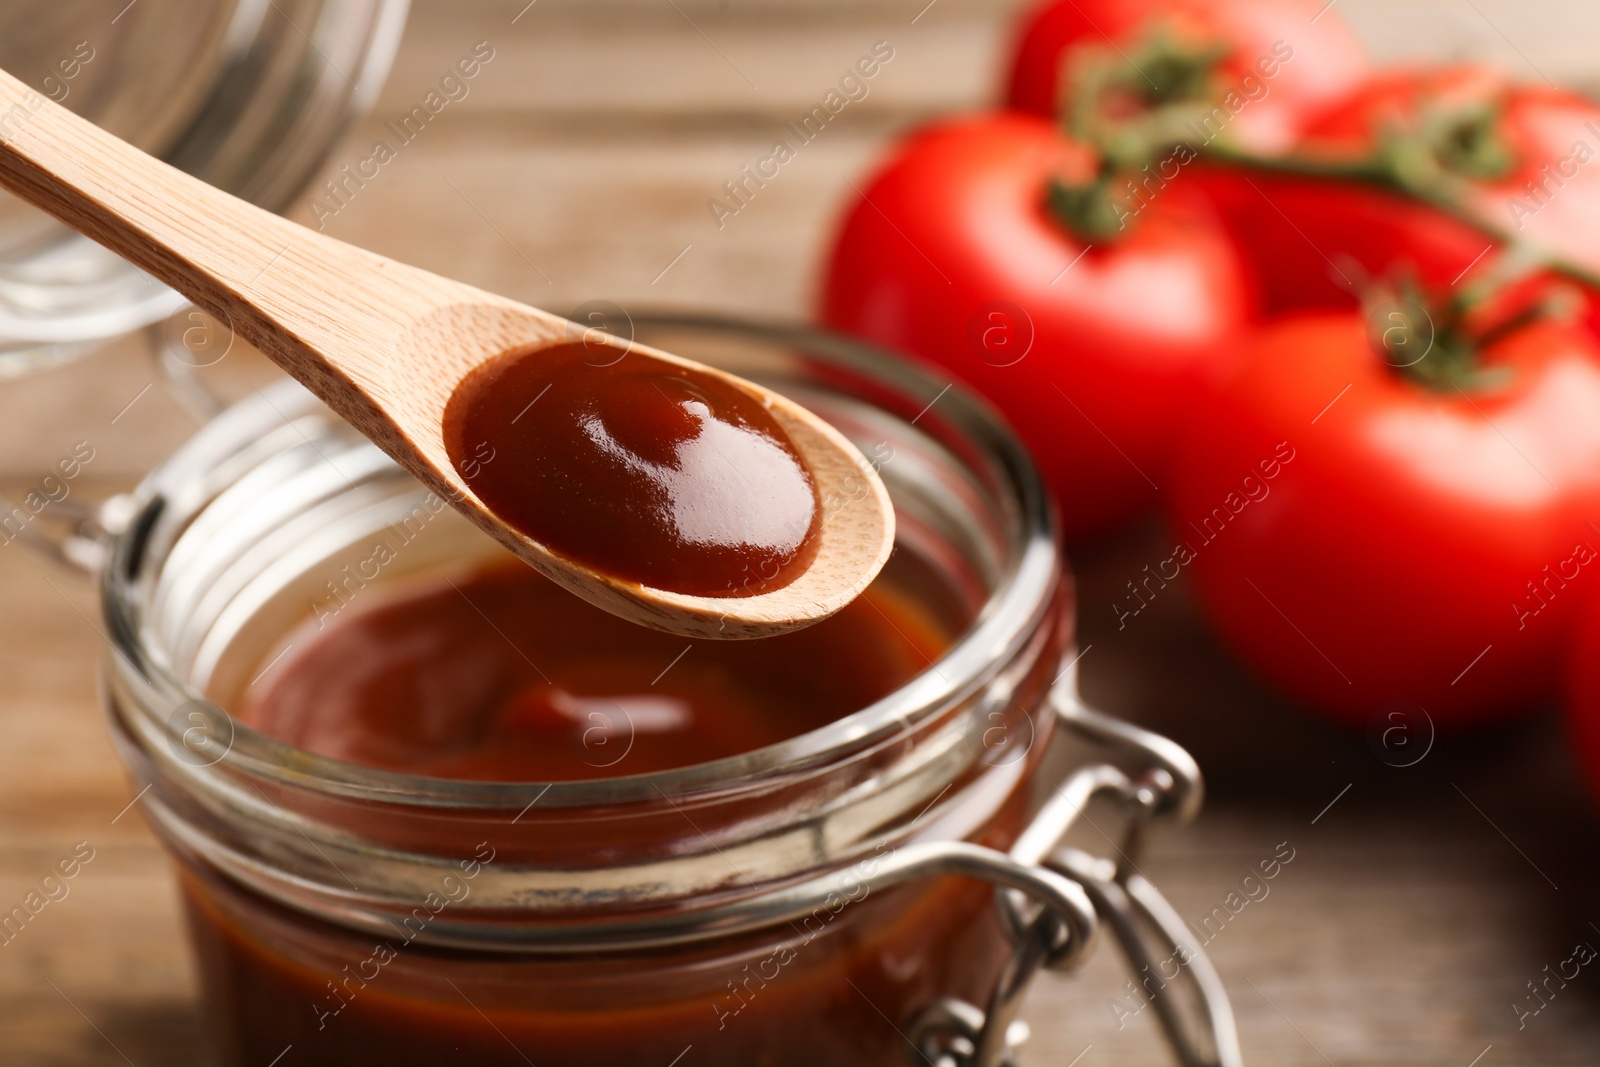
{"x":1023,"y":590}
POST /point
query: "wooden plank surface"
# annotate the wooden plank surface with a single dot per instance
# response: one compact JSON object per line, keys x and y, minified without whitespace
{"x":1420,"y":901}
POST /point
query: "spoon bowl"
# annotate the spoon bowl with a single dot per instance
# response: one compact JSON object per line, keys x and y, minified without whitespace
{"x":385,"y":344}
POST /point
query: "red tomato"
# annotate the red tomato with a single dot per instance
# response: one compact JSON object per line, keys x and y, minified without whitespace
{"x":1530,"y":154}
{"x":952,"y":255}
{"x":1359,"y":538}
{"x":1281,"y":59}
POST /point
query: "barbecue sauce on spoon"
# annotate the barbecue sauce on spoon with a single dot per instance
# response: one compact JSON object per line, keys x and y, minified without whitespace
{"x":636,"y":467}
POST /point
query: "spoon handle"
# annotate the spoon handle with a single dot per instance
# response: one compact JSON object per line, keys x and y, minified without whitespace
{"x":295,"y":294}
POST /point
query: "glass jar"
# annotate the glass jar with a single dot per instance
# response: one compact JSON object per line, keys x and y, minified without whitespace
{"x":249,"y":96}
{"x":876,"y":891}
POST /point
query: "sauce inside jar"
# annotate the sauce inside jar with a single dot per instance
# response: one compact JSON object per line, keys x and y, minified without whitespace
{"x":638,"y":468}
{"x":498,"y":674}
{"x":501,"y":675}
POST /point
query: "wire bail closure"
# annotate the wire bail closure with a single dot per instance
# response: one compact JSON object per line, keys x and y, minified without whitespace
{"x":1152,"y":936}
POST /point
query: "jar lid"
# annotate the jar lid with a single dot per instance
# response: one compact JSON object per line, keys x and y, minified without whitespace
{"x":233,"y":92}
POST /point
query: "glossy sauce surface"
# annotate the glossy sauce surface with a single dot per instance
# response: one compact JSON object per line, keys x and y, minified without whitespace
{"x":501,"y":675}
{"x":644,"y":470}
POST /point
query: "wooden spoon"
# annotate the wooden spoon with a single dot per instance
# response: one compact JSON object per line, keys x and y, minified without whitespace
{"x":385,"y":344}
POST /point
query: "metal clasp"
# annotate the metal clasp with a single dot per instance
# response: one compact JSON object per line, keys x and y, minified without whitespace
{"x":954,"y":1033}
{"x":1161,"y":955}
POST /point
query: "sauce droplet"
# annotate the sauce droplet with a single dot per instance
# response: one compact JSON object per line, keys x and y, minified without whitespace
{"x":639,"y":468}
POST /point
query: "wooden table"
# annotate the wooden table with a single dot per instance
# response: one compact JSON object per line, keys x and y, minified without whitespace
{"x":1420,"y":902}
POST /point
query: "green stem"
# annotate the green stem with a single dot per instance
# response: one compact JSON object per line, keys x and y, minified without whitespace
{"x":1168,"y":78}
{"x":1364,"y":170}
{"x":1453,"y":359}
{"x":1132,"y":113}
{"x":1173,"y":84}
{"x":1429,"y":184}
{"x":1089,"y":212}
